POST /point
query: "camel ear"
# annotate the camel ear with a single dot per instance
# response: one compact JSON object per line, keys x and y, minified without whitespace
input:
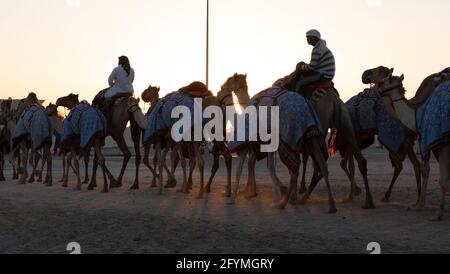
{"x":159,"y":89}
{"x":402,"y":77}
{"x":392,"y":70}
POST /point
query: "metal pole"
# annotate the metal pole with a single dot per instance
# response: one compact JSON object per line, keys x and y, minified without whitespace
{"x":207,"y":43}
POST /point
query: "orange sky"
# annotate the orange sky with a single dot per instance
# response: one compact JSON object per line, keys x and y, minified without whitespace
{"x":54,"y":47}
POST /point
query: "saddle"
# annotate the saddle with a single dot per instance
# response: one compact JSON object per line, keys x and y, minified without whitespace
{"x":324,"y":86}
{"x":105,"y":104}
{"x":196,"y":90}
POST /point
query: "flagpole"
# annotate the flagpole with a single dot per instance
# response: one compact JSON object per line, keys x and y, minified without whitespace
{"x":207,"y":43}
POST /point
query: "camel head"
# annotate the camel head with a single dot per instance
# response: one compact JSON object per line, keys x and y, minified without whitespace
{"x":26,"y":102}
{"x":69,"y":101}
{"x":51,"y":110}
{"x":376,"y":75}
{"x":390,"y":90}
{"x":236,"y":84}
{"x":151,"y":95}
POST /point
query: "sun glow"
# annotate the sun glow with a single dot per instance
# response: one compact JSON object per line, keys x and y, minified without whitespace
{"x":237,"y":105}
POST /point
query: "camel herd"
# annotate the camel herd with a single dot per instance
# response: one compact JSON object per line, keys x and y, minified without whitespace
{"x":332,"y":113}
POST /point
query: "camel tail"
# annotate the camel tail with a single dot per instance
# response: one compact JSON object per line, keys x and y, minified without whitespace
{"x":336,"y":130}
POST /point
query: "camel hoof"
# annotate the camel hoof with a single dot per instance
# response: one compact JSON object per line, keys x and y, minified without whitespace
{"x":39,"y":180}
{"x":115,"y":184}
{"x":369,"y":205}
{"x":303,"y":201}
{"x":171,"y":183}
{"x":416,"y":207}
{"x":22,"y":182}
{"x":385,"y":200}
{"x":134,"y":187}
{"x":105,"y":190}
{"x":31,"y":180}
{"x":200,"y":196}
{"x":332,"y":210}
{"x":78,"y":188}
{"x":90,"y":188}
{"x":86,"y":182}
{"x":293,"y":201}
{"x":208,"y":189}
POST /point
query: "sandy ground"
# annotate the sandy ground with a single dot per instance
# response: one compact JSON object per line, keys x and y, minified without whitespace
{"x":36,"y":219}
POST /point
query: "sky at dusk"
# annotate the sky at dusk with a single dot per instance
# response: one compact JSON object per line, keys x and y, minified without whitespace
{"x":54,"y":47}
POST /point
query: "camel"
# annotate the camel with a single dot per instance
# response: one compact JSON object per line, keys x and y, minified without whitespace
{"x":37,"y":119}
{"x":392,"y":94}
{"x":124,"y":111}
{"x":331,"y":110}
{"x":311,"y":142}
{"x":375,"y":76}
{"x":73,"y":144}
{"x":235,"y":85}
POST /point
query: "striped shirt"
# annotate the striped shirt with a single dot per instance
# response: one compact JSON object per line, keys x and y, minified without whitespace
{"x":322,"y":60}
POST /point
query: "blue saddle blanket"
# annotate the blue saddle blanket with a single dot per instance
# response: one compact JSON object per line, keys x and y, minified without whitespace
{"x":433,"y":120}
{"x":159,"y":119}
{"x":85,"y":122}
{"x":296,"y":118}
{"x":33,"y":124}
{"x":369,"y":115}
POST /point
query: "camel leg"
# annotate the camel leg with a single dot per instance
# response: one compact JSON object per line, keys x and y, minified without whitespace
{"x":214,"y":169}
{"x":170,"y":174}
{"x":95,"y":164}
{"x":314,"y":182}
{"x":323,"y":167}
{"x":160,"y":166}
{"x":147,"y":164}
{"x":444,"y":165}
{"x":192,"y":164}
{"x":362,"y":165}
{"x":240,"y":167}
{"x":66,"y":168}
{"x":417,"y":170}
{"x":34,"y":161}
{"x":24,"y":156}
{"x":201,"y":166}
{"x":136,"y":135}
{"x":126,"y":158}
{"x":86,"y":168}
{"x":398,"y":167}
{"x":77,"y":170}
{"x":229,"y":165}
{"x":2,"y":159}
{"x":293,"y":187}
{"x":48,"y":159}
{"x":348,"y":165}
{"x":175,"y":159}
{"x":423,"y":194}
{"x":101,"y":162}
{"x":41,"y":169}
{"x":279,"y":191}
{"x":305,"y":166}
{"x":250,"y":190}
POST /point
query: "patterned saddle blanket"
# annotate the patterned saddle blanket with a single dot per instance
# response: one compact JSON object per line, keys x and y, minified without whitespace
{"x":369,"y":115}
{"x":35,"y":125}
{"x":433,"y":121}
{"x":83,"y":124}
{"x":297,"y":119}
{"x":159,"y":120}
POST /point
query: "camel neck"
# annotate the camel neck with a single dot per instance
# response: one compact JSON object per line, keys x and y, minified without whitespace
{"x":405,"y":113}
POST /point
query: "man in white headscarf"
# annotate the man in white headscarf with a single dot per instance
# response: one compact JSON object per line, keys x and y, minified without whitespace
{"x":321,"y":68}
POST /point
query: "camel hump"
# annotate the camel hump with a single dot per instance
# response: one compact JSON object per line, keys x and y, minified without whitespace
{"x":196,"y":90}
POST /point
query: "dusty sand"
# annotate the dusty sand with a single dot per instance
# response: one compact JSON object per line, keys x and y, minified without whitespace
{"x":36,"y":219}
